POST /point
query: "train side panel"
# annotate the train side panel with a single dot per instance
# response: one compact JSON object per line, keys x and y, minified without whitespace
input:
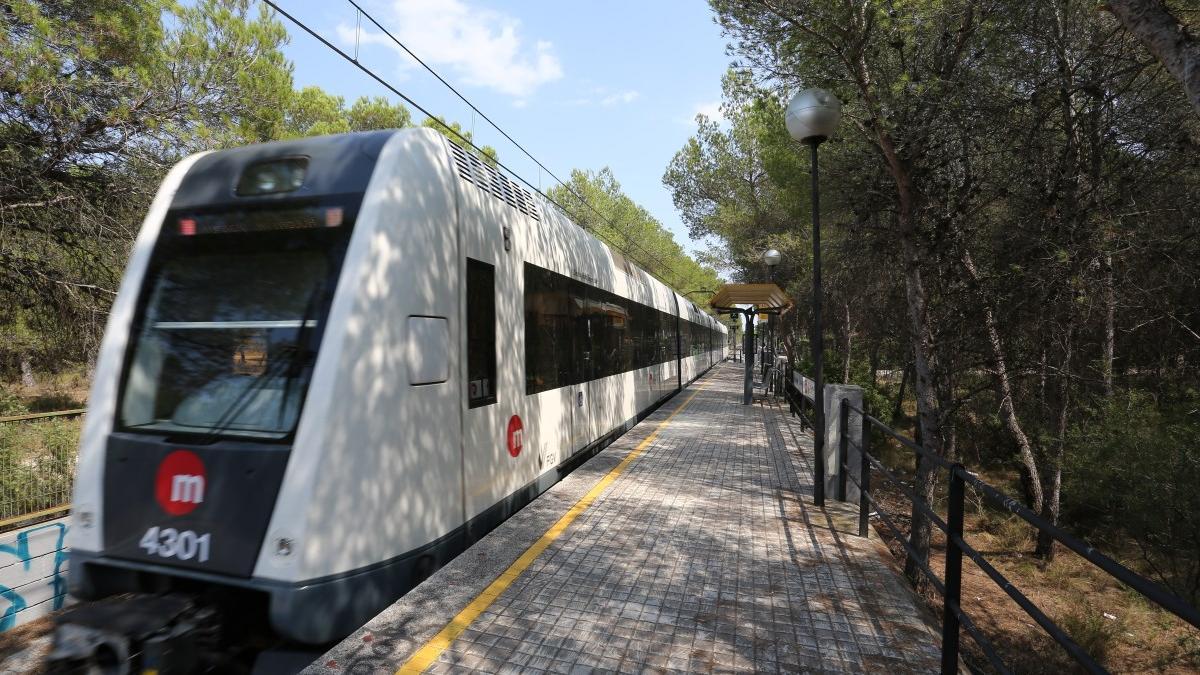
{"x":375,"y":471}
{"x":85,"y":533}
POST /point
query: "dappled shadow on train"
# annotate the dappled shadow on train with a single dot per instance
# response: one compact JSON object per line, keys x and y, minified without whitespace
{"x":403,"y":448}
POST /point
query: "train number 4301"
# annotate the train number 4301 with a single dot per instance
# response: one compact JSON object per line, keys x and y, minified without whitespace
{"x":167,"y":542}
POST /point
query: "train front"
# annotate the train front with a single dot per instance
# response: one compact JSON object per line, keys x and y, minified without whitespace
{"x":205,"y":366}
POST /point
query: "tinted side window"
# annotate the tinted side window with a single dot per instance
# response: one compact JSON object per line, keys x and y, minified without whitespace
{"x":548,"y":334}
{"x":575,"y":332}
{"x":481,"y":333}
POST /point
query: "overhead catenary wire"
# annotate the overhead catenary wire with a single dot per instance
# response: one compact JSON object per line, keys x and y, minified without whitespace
{"x":475,"y":110}
{"x":448,"y":129}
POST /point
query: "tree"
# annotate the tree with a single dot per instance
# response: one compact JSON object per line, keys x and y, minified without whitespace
{"x":1022,"y":176}
{"x":377,"y":113}
{"x":595,"y":201}
{"x":96,"y":100}
{"x":455,"y":132}
{"x":1167,"y":38}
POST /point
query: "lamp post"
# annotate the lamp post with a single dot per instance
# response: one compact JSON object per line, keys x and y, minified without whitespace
{"x":771,"y":257}
{"x":812,"y":117}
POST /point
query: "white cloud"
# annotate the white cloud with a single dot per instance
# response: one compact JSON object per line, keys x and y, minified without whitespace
{"x":711,"y":110}
{"x":479,"y":47}
{"x":623,"y":97}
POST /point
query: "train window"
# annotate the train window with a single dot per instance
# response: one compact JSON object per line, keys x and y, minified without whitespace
{"x":608,"y":319}
{"x":481,"y":333}
{"x":575,"y":332}
{"x":229,"y":352}
{"x":548,"y":339}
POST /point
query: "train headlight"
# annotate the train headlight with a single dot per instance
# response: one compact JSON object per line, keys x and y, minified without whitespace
{"x":278,"y":175}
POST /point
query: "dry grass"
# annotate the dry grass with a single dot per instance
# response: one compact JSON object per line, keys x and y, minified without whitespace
{"x":17,"y":639}
{"x":51,"y":392}
{"x":1117,"y":626}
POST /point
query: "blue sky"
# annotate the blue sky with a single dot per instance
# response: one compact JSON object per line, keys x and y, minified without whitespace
{"x":579,"y":84}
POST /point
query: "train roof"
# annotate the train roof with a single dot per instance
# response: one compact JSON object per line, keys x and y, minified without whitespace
{"x":338,"y":164}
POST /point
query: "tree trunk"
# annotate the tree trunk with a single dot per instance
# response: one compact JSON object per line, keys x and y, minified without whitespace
{"x":1050,"y":510}
{"x":1008,"y":412}
{"x":927,"y":410}
{"x":27,"y":380}
{"x":1166,"y":38}
{"x":1110,"y":320}
{"x":846,"y":345}
{"x":898,"y":408}
{"x":874,"y":365}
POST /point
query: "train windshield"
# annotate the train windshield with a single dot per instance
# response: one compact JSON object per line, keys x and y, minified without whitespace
{"x":229,"y":325}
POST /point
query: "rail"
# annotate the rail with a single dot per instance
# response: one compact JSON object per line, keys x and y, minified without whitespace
{"x":37,"y":466}
{"x":949,"y":587}
{"x":29,"y":417}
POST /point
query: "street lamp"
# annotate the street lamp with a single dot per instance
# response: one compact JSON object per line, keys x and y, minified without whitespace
{"x":812,"y":117}
{"x":771,"y":257}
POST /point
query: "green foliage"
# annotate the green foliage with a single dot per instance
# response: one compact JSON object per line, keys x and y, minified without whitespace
{"x":37,"y":464}
{"x":313,"y":112}
{"x":1091,"y":630}
{"x":370,"y":113}
{"x":11,"y":404}
{"x":455,"y":132}
{"x":742,"y":180}
{"x":595,"y":201}
{"x":97,"y":101}
{"x":1133,"y":469}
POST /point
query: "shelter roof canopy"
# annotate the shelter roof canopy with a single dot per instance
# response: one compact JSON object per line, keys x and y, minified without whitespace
{"x":761,"y":296}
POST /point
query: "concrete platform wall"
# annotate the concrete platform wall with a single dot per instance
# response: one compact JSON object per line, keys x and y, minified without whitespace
{"x":33,"y":572}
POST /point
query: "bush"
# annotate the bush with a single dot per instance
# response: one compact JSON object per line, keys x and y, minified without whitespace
{"x":1091,"y":630}
{"x":1132,"y":469}
{"x":37,"y":464}
{"x":10,"y":403}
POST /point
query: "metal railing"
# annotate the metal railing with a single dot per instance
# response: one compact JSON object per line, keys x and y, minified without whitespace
{"x":950,"y":585}
{"x":37,"y":465}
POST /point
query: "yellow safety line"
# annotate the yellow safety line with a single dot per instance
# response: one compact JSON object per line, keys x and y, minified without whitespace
{"x":430,"y":651}
{"x":31,"y":516}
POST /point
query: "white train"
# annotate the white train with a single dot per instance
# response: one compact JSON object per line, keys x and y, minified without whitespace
{"x":335,"y":362}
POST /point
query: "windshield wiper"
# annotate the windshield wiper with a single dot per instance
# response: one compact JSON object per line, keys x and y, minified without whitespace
{"x":289,"y":366}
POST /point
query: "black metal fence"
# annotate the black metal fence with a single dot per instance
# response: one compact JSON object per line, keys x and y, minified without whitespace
{"x":949,"y":586}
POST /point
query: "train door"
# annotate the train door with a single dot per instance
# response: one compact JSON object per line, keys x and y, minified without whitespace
{"x":583,"y":360}
{"x":494,"y":419}
{"x":679,"y":356}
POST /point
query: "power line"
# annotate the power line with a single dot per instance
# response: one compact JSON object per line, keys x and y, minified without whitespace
{"x":449,"y":86}
{"x":512,"y":140}
{"x":354,"y":60}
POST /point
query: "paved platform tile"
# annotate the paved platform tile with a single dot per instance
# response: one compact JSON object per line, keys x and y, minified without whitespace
{"x":704,"y":555}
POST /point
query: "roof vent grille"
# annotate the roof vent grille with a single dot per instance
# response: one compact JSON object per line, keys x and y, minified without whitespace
{"x":475,"y":171}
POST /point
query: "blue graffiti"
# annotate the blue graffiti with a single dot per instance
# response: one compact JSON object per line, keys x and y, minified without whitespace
{"x":56,"y":580}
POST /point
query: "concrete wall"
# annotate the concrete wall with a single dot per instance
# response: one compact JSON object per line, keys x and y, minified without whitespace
{"x":33,"y":572}
{"x":833,"y":395}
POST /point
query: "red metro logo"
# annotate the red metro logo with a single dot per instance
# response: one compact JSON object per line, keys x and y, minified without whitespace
{"x":180,"y":484}
{"x":516,"y":435}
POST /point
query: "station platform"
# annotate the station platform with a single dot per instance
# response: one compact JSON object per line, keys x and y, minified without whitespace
{"x":689,"y":545}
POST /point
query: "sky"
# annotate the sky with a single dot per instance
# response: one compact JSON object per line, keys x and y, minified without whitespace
{"x":581,"y":85}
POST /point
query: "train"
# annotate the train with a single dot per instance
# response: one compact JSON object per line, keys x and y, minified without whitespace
{"x":335,"y":362}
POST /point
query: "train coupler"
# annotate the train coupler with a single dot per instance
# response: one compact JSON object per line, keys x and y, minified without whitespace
{"x":136,"y":634}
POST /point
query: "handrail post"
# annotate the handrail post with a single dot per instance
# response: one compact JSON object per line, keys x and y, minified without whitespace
{"x":843,"y":448}
{"x":954,"y":521}
{"x":864,"y":477}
